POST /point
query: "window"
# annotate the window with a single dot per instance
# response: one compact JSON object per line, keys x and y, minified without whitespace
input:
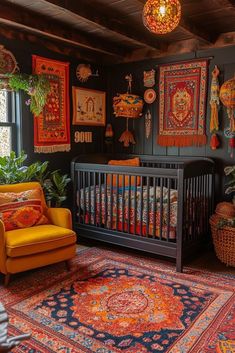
{"x":9,"y":124}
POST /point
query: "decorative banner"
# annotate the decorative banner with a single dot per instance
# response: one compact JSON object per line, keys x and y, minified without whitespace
{"x":83,"y":136}
{"x":52,"y":127}
{"x":149,"y":96}
{"x":149,"y":78}
{"x":182,"y":101}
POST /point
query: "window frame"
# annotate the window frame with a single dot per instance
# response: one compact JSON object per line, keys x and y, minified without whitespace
{"x":13,"y":109}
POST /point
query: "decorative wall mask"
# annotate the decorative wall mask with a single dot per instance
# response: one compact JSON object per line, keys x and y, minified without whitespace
{"x":149,"y":78}
{"x":148,"y":124}
{"x":149,"y":96}
{"x":83,"y":72}
{"x":8,"y":64}
{"x":129,"y":106}
{"x":83,"y":136}
{"x":214,"y":104}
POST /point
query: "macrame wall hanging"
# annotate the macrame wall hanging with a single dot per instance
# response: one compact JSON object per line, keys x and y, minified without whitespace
{"x":214,"y":104}
{"x":227,"y":97}
{"x":129,"y":106}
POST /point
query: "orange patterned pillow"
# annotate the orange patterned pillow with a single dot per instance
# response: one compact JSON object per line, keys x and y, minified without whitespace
{"x":135,"y":162}
{"x":22,"y":210}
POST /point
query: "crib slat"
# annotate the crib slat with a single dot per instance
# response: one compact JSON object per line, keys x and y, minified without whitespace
{"x":168,"y":208}
{"x":94,"y":176}
{"x":129,"y":204}
{"x":84,"y":194}
{"x":79,"y":196}
{"x":117,"y":202}
{"x":111,"y":203}
{"x":89,"y":197}
{"x":135,"y":207}
{"x":161,"y":207}
{"x":123,"y":201}
{"x":141,"y":205}
{"x":105,"y":200}
{"x":154,"y":207}
{"x":100,"y":200}
{"x":147,"y":209}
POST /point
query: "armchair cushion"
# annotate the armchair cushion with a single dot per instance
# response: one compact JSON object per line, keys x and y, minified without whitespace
{"x":22,"y":210}
{"x":28,"y":241}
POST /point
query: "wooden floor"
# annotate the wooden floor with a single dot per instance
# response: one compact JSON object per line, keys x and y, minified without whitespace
{"x":208,"y":261}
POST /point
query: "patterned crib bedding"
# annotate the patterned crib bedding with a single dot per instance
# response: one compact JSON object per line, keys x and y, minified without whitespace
{"x":123,"y":210}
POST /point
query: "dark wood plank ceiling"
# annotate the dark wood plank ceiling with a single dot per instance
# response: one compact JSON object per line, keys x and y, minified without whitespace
{"x":112,"y":31}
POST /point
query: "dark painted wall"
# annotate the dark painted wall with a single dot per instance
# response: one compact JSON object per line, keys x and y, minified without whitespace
{"x":112,"y":80}
{"x":23,"y":52}
{"x":224,"y":58}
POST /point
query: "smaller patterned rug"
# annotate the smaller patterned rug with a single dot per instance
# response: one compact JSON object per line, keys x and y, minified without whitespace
{"x":120,"y":303}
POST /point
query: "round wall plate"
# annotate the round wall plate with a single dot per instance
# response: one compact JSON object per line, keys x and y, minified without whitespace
{"x":149,"y":96}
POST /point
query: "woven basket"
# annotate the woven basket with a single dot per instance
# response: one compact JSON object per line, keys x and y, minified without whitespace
{"x":224,"y":242}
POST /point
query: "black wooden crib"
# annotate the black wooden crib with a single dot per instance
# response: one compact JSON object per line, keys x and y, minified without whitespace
{"x":161,"y":207}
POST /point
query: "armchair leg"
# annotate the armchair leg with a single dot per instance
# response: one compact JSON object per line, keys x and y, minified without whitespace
{"x":7,"y":279}
{"x":67,"y":264}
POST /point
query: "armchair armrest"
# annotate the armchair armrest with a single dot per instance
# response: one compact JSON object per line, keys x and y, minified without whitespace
{"x":3,"y":255}
{"x":60,"y":217}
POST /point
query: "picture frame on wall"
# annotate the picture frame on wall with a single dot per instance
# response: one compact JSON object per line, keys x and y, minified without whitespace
{"x":89,"y":107}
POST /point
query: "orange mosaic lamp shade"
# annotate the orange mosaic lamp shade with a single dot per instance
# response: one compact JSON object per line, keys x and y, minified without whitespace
{"x":161,"y":16}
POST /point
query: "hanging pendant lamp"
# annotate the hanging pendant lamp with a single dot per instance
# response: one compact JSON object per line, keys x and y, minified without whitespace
{"x":161,"y":16}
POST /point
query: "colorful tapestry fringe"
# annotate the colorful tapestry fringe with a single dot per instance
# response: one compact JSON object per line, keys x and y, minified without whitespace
{"x":52,"y":127}
{"x":182,"y":101}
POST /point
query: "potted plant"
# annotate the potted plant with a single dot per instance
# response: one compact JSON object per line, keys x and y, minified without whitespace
{"x":36,"y":86}
{"x":56,"y":188}
{"x":54,"y":184}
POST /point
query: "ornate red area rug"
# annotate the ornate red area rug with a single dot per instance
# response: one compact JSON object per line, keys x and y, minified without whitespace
{"x":182,"y":102}
{"x":120,"y":303}
{"x":52,"y":126}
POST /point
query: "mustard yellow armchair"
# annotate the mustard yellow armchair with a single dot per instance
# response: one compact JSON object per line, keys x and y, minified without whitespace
{"x":27,"y":248}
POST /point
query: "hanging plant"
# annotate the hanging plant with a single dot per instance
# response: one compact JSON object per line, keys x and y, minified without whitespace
{"x":36,"y":86}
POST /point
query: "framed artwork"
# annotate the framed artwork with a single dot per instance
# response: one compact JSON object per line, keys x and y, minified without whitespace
{"x":88,"y":107}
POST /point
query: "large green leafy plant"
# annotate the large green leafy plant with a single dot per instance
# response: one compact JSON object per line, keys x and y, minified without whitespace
{"x":54,"y":184}
{"x":36,"y":86}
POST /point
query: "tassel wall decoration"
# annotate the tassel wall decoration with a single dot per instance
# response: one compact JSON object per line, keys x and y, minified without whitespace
{"x":214,"y":103}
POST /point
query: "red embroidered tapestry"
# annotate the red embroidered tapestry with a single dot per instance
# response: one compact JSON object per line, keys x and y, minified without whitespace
{"x":52,"y":126}
{"x":182,"y":102}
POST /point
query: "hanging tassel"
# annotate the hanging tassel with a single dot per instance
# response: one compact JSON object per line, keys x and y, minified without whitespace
{"x":214,"y":103}
{"x":127,"y":137}
{"x":214,"y":143}
{"x":214,"y":122}
{"x":231,"y":146}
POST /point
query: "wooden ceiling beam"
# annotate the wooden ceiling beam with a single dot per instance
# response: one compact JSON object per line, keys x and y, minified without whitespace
{"x":56,"y":47}
{"x":81,"y":10}
{"x":15,"y":16}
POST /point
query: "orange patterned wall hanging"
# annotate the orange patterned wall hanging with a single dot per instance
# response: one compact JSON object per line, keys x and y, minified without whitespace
{"x":182,"y":102}
{"x":52,"y":126}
